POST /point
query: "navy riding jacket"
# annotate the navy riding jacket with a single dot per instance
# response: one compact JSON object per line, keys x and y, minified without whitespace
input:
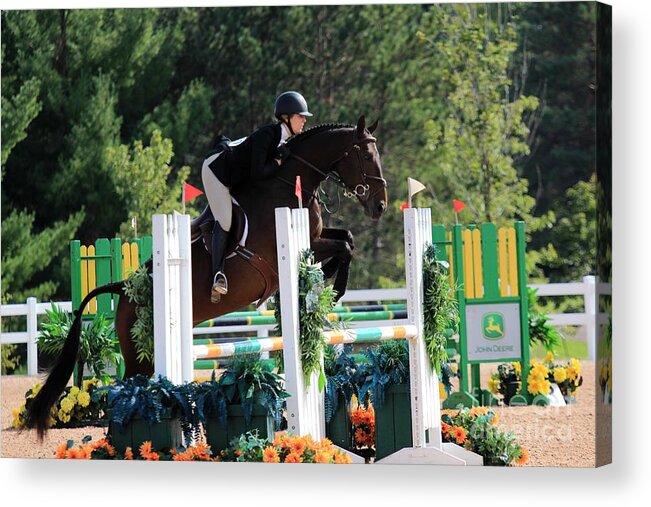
{"x":253,"y":158}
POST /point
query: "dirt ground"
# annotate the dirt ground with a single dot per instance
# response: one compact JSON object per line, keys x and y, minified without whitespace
{"x":553,"y":436}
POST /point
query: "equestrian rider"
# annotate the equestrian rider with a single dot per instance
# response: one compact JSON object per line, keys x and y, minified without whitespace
{"x":258,"y":157}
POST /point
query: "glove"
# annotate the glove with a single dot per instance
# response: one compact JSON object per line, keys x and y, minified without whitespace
{"x":283,"y":152}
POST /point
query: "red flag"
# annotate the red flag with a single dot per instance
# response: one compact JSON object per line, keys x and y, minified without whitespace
{"x":298,"y":190}
{"x":190,"y":192}
{"x":404,"y":206}
{"x":458,"y":205}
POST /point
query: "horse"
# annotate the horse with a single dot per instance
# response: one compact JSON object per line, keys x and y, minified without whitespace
{"x":344,"y":153}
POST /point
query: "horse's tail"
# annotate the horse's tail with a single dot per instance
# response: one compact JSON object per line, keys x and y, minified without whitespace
{"x":38,"y":411}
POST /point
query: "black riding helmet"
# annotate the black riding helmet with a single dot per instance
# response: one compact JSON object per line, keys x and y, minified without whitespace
{"x":290,"y":103}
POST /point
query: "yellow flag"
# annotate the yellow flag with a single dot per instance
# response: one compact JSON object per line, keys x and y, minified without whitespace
{"x":414,"y":187}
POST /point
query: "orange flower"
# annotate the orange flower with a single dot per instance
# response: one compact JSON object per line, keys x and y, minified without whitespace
{"x":145,"y":448}
{"x":524,"y":456}
{"x":360,"y":435}
{"x":128,"y":453}
{"x":496,"y":419}
{"x":270,"y":455}
{"x":61,"y":451}
{"x":152,"y":456}
{"x":297,"y":446}
{"x":323,"y":457}
{"x":445,"y":428}
{"x":293,"y":457}
{"x":183,"y":456}
{"x":238,"y":452}
{"x":342,"y":458}
{"x":459,"y":434}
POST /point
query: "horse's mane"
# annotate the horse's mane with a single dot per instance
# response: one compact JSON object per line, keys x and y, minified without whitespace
{"x":315,"y":130}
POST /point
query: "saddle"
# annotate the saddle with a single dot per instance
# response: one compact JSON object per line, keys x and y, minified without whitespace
{"x":201,"y":230}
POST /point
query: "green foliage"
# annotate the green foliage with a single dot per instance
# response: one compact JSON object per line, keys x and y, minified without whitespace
{"x":17,"y":113}
{"x":247,"y":448}
{"x":539,"y":329}
{"x":341,"y":378}
{"x":315,"y":302}
{"x":139,"y":395}
{"x":439,"y":307}
{"x":9,"y":360}
{"x":484,"y":129}
{"x":141,"y":178}
{"x":386,"y":365}
{"x":28,"y":255}
{"x":139,"y":289}
{"x":96,"y":345}
{"x":498,"y":448}
{"x":248,"y":381}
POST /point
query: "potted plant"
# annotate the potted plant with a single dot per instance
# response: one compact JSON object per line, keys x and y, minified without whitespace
{"x":384,"y":381}
{"x":248,"y":396}
{"x":506,"y":381}
{"x":341,"y":385}
{"x":566,"y":375}
{"x":141,"y":409}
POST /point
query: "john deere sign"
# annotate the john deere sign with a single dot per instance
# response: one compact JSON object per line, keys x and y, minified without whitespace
{"x":493,"y":332}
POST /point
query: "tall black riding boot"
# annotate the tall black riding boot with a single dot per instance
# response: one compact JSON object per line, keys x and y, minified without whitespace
{"x":219,"y":242}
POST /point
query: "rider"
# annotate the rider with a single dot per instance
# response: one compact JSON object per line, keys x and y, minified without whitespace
{"x":258,"y":157}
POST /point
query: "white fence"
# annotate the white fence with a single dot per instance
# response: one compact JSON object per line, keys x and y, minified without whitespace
{"x":587,"y":321}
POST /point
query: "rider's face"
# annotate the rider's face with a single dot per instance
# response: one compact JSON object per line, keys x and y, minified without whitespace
{"x":297,"y":122}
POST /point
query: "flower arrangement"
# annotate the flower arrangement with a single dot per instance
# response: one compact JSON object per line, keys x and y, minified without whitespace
{"x":103,"y":450}
{"x":476,"y":430}
{"x":506,"y":381}
{"x":75,"y":407}
{"x":363,"y":422}
{"x":567,"y":376}
{"x":285,"y":448}
{"x":541,"y":376}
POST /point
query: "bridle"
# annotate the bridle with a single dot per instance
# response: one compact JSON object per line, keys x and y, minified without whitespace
{"x":361,"y":189}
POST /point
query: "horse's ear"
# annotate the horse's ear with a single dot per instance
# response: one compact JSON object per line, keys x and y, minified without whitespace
{"x":372,"y":128}
{"x":361,"y":125}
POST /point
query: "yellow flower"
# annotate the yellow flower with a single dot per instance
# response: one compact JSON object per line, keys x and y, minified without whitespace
{"x":517,"y":367}
{"x":17,"y":423}
{"x":67,"y":404}
{"x":539,"y":372}
{"x":560,"y":374}
{"x":83,"y":399}
{"x":533,"y":386}
{"x":493,"y":386}
{"x":74,"y":391}
{"x":442,"y":394}
{"x":545,"y":387}
{"x":342,"y":459}
{"x":549,"y":357}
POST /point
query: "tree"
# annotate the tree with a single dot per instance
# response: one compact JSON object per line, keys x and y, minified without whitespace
{"x":142,"y":179}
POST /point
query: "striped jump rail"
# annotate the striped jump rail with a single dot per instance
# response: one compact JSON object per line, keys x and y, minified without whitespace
{"x":362,"y":335}
{"x":262,"y":319}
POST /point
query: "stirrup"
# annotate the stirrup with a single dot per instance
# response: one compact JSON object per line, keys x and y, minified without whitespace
{"x":219,"y":287}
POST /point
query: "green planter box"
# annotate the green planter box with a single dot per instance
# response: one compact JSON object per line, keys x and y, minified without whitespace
{"x":339,"y":429}
{"x":393,"y":421}
{"x":219,"y":437}
{"x":165,"y":434}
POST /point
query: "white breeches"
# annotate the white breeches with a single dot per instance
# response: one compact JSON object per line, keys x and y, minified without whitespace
{"x":218,"y":194}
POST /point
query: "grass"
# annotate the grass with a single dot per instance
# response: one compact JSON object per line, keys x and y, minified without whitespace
{"x":567,"y":349}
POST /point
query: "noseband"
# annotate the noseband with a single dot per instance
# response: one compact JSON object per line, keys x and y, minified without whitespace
{"x":361,"y":189}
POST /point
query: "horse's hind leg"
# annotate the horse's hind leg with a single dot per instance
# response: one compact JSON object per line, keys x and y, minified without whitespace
{"x":125,"y":318}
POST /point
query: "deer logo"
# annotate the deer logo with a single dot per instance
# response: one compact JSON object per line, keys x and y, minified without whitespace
{"x":493,"y":326}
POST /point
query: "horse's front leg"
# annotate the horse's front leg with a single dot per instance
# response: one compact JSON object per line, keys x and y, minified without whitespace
{"x":337,"y":246}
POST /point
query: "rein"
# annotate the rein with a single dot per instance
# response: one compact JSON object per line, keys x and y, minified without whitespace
{"x":360,"y":189}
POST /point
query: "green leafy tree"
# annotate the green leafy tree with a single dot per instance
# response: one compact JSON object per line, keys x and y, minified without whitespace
{"x":484,"y":128}
{"x":142,"y":177}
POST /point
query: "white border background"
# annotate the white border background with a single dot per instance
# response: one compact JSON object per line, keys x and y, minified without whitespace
{"x":54,"y":482}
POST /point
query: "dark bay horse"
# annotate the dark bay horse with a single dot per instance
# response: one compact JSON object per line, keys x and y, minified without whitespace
{"x":344,"y":153}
